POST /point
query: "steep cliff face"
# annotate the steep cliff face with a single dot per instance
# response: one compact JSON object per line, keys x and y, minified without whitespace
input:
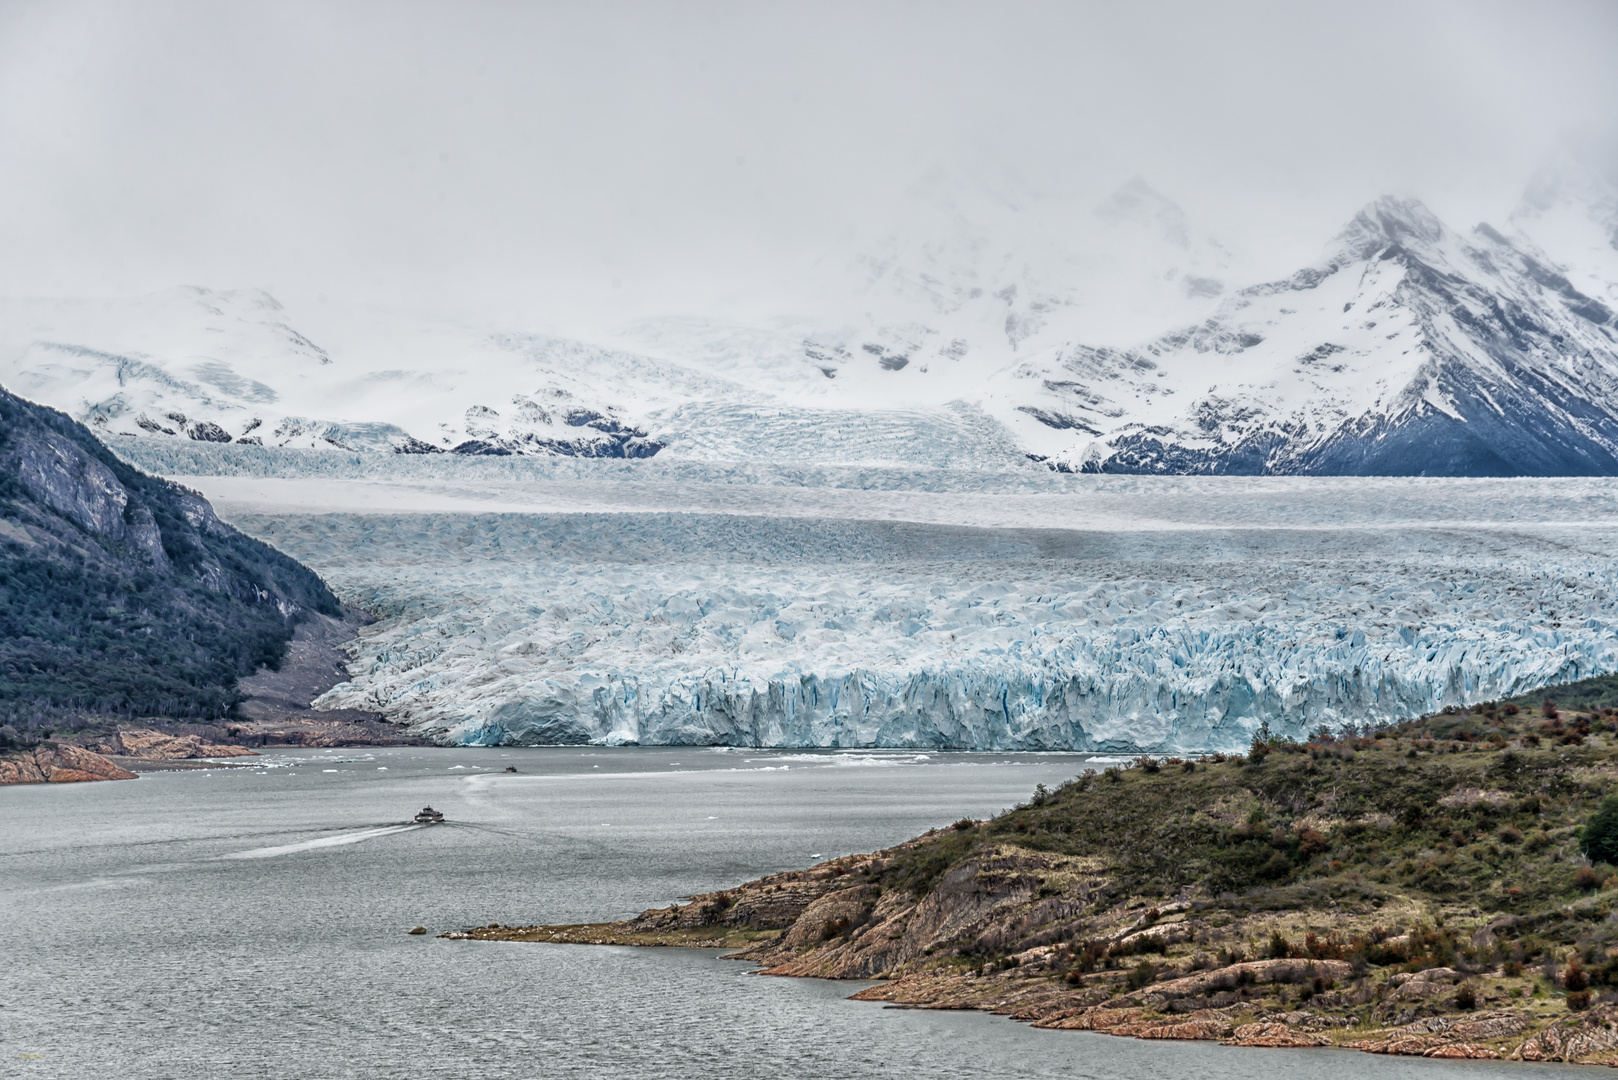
{"x":121,"y":593}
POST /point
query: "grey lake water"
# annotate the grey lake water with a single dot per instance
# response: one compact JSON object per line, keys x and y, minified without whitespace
{"x":249,"y":922}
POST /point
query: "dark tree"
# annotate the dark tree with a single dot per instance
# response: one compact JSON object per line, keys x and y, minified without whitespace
{"x":1599,"y":842}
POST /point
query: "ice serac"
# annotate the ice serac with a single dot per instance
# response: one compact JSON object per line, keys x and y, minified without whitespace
{"x":1325,"y":605}
{"x":1124,"y":703}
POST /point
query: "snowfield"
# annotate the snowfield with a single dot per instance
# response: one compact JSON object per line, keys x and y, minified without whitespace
{"x":534,"y":601}
{"x":1114,"y":339}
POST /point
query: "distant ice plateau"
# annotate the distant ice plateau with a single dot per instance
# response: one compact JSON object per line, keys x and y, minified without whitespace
{"x":528,"y":601}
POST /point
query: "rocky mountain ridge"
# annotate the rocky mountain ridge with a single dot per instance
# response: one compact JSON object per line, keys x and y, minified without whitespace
{"x":1408,"y":348}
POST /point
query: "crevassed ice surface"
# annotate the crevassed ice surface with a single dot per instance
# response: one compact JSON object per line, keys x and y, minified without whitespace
{"x":526,"y":603}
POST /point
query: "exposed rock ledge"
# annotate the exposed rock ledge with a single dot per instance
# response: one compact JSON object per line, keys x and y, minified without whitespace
{"x":143,"y":744}
{"x":106,"y":757}
{"x":58,"y":764}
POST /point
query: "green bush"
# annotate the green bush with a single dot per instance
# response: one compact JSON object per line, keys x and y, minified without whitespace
{"x":1599,"y":839}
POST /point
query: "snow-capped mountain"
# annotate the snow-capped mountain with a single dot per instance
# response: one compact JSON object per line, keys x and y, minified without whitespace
{"x":1001,"y":331}
{"x":228,"y":366}
{"x":1409,"y":349}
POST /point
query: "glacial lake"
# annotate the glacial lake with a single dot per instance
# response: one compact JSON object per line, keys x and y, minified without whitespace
{"x":249,"y":922}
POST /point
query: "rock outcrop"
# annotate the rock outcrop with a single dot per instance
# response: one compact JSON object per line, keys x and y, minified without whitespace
{"x":1274,"y":1034}
{"x":148,"y":745}
{"x":1586,"y":1037}
{"x":57,"y":764}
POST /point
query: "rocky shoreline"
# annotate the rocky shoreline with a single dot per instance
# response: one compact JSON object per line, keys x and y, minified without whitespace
{"x":274,"y":712}
{"x":794,"y":925}
{"x":58,"y":764}
{"x":1420,"y":890}
{"x":120,"y":755}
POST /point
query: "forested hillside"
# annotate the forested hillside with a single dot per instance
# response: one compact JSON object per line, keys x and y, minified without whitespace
{"x":122,"y":594}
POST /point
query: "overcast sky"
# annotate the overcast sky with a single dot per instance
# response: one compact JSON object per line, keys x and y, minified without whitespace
{"x":514,"y":161}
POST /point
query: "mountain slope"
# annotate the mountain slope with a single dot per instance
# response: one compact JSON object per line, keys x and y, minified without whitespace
{"x":985,"y":333}
{"x":1408,"y":350}
{"x":121,"y":593}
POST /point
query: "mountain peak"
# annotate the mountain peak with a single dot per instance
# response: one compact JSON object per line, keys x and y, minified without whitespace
{"x":1390,"y":219}
{"x":1137,"y":203}
{"x":1572,"y":179}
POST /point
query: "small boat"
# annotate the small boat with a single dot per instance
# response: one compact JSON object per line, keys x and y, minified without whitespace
{"x":429,"y":816}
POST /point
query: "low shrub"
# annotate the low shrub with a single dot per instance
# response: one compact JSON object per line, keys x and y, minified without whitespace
{"x":1140,"y":946}
{"x":1142,"y":974}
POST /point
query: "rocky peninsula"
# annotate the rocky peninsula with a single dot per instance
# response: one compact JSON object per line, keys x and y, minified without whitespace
{"x":1421,"y":889}
{"x":58,"y":764}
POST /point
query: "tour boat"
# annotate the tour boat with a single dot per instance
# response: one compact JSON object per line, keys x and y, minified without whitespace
{"x":429,"y":816}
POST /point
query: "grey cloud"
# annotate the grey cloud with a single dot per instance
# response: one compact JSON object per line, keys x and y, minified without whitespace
{"x":526,"y":161}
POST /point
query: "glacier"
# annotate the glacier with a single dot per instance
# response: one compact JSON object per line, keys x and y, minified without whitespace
{"x":539,"y":601}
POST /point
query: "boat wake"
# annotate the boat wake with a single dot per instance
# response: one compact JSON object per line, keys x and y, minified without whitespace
{"x":338,"y":840}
